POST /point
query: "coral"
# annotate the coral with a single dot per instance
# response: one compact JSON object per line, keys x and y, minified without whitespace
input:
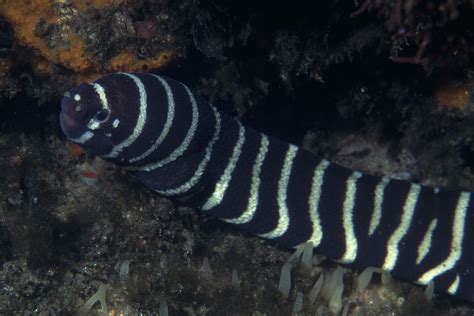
{"x":98,"y":296}
{"x":66,"y":33}
{"x":455,"y":95}
{"x":97,"y":4}
{"x":128,"y":61}
{"x":288,"y":70}
{"x":4,"y":66}
{"x":437,"y":29}
{"x":72,"y":57}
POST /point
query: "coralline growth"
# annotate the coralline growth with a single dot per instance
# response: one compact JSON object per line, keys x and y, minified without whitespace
{"x":51,"y":29}
{"x":428,"y":31}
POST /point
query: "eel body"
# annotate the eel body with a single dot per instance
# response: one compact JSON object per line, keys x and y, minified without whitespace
{"x":184,"y":148}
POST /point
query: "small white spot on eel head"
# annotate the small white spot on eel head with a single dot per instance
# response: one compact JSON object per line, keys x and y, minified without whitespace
{"x":77,"y":97}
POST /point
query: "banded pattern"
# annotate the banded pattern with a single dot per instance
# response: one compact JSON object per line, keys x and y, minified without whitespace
{"x":182,"y":147}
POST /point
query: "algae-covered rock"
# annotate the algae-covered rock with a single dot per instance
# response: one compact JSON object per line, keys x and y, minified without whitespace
{"x":379,"y":86}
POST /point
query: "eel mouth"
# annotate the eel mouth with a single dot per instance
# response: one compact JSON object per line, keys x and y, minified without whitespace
{"x":69,"y":126}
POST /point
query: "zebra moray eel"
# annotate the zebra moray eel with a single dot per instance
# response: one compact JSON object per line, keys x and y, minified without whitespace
{"x":184,"y":148}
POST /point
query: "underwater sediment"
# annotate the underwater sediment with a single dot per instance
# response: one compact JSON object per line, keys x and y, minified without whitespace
{"x":384,"y":87}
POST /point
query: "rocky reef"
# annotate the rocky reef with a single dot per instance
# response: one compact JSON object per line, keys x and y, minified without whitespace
{"x":385,"y":87}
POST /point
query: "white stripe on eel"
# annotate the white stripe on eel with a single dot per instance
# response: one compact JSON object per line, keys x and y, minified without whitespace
{"x":178,"y":152}
{"x":102,"y":96}
{"x":347,"y":219}
{"x":425,"y":245}
{"x":166,"y":126}
{"x":378,"y":200}
{"x":283,"y":217}
{"x":313,"y":202}
{"x":456,"y":241}
{"x":93,"y":124}
{"x":182,"y":189}
{"x":221,"y":186}
{"x":453,"y":288}
{"x":402,"y":229}
{"x":252,"y":203}
{"x":83,"y":138}
{"x":141,"y":120}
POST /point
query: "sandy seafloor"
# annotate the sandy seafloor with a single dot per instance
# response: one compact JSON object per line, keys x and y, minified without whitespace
{"x":384,"y":87}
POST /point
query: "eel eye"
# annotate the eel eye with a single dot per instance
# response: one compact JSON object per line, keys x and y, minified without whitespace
{"x":102,"y":115}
